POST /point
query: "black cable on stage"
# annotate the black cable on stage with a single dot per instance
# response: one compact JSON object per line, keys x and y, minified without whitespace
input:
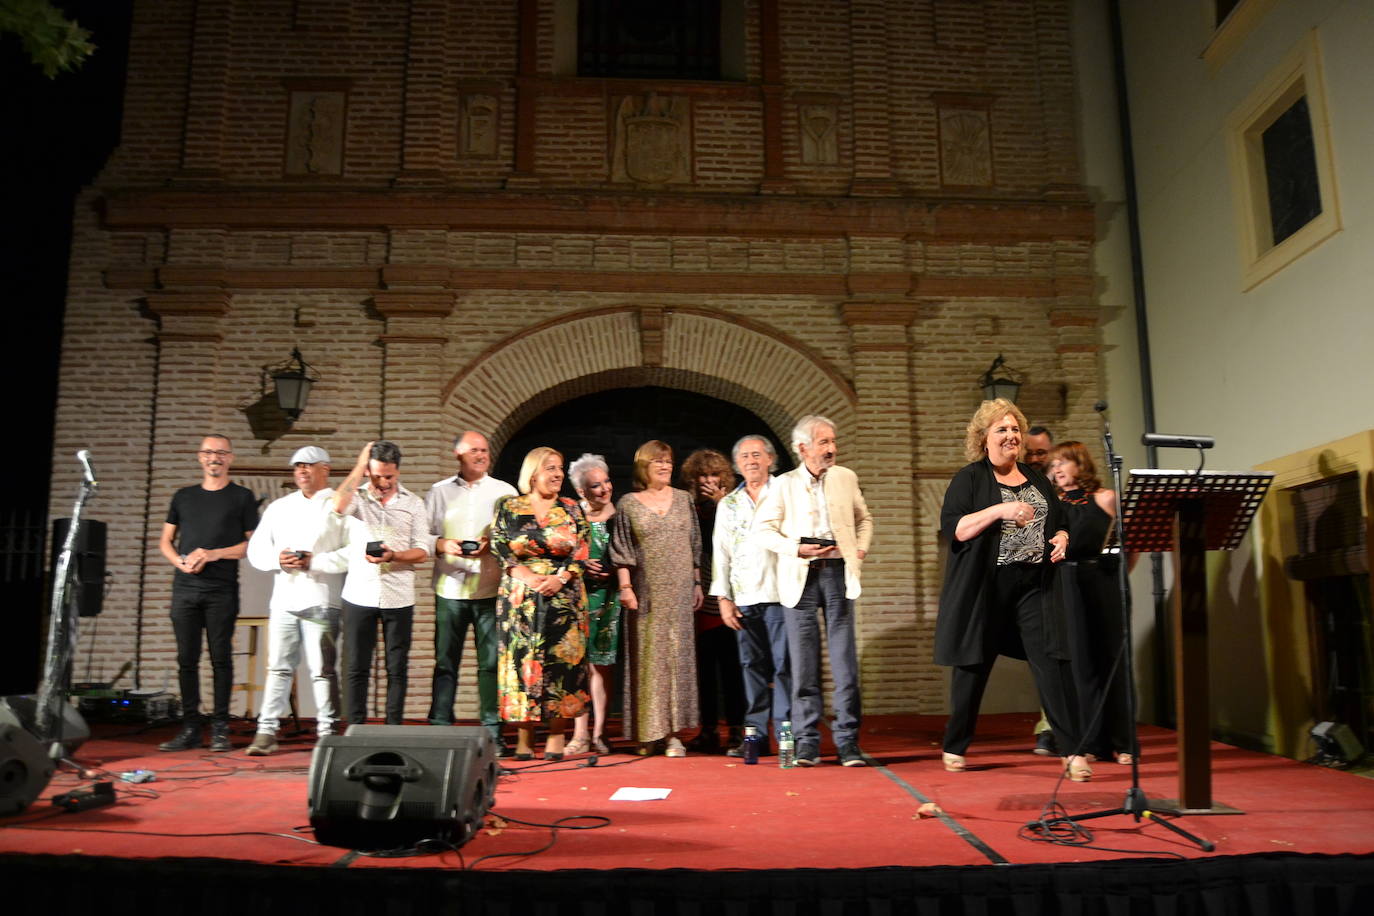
{"x":433,"y":846}
{"x":188,"y":836}
{"x":554,"y":827}
{"x":540,"y":769}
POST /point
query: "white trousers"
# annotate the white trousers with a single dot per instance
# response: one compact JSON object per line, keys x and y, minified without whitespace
{"x":287,"y":635}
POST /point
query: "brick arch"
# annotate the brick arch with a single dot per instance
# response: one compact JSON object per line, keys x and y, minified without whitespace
{"x":699,"y":350}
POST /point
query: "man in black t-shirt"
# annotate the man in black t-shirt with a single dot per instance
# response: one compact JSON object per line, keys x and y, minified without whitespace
{"x":206,"y":534}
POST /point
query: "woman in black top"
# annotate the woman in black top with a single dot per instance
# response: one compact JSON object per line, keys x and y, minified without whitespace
{"x":1091,"y":599}
{"x":1005,"y":529}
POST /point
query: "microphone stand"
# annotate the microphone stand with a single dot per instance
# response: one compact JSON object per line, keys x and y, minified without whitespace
{"x":62,"y":632}
{"x":1135,"y":804}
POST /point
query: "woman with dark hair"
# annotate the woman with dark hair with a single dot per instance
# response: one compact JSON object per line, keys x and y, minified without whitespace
{"x":1005,"y":529}
{"x":656,"y":546}
{"x":1091,"y":598}
{"x":707,"y":475}
{"x":541,"y":608}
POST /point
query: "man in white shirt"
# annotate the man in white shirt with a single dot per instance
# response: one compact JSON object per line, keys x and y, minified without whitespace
{"x":385,"y":533}
{"x":745,"y":582}
{"x":466,"y":578}
{"x":303,"y":613}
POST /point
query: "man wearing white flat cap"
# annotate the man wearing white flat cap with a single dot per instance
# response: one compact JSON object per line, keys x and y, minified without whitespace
{"x":304,"y":608}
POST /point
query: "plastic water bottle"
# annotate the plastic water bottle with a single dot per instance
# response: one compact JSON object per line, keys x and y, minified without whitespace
{"x":787,"y":746}
{"x":751,"y":745}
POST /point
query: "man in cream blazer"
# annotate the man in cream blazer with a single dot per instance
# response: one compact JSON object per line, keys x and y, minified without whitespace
{"x":815,"y":519}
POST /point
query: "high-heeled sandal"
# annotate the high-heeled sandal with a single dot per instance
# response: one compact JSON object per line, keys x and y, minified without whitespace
{"x":600,"y":747}
{"x":1079,"y":773}
{"x":954,"y":763}
{"x":577,"y":746}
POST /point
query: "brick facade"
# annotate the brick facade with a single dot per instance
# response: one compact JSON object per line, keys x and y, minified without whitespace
{"x":416,"y":192}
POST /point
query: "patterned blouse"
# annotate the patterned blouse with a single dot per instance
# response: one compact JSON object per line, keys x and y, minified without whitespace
{"x":1023,"y":545}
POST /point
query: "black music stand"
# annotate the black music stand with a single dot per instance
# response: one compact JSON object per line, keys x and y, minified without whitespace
{"x":1190,"y":513}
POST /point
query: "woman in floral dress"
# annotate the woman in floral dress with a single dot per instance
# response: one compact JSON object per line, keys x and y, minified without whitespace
{"x":541,"y":609}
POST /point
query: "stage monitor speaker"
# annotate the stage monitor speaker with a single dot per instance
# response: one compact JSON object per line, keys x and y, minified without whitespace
{"x":24,"y":768}
{"x":88,"y":556}
{"x":22,"y":711}
{"x":391,"y":786}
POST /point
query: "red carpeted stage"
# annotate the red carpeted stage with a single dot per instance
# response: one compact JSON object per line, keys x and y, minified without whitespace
{"x":216,"y":830}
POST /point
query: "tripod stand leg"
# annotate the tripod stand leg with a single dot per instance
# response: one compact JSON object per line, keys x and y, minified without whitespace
{"x":1206,"y":845}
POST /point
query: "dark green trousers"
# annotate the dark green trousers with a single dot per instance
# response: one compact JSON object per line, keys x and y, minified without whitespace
{"x":452,"y":619}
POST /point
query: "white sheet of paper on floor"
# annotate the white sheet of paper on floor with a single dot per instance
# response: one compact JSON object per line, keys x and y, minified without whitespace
{"x":635,"y":793}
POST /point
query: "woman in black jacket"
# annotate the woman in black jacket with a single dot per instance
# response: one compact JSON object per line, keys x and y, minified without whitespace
{"x":1005,"y":528}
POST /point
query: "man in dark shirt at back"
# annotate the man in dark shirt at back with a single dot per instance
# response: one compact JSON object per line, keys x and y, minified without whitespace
{"x":205,"y":536}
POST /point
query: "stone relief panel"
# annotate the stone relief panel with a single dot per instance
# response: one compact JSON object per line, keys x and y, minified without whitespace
{"x":652,"y":140}
{"x":315,"y":132}
{"x":965,"y":141}
{"x":478,"y":124}
{"x":819,"y":127}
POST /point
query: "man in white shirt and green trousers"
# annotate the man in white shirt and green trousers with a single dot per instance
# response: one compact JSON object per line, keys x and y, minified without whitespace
{"x":466,"y":578}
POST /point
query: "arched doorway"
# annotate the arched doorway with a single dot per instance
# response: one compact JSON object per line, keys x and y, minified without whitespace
{"x":615,"y":422}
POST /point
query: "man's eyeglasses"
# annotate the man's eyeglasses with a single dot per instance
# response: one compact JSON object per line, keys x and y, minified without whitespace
{"x":214,"y":453}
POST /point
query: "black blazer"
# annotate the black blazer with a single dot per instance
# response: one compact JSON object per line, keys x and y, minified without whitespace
{"x":960,"y":630}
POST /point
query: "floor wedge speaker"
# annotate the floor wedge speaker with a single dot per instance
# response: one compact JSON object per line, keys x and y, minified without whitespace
{"x":24,"y":767}
{"x":391,"y":786}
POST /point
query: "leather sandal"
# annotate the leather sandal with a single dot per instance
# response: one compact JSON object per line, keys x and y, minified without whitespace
{"x":1080,"y":772}
{"x":954,"y":763}
{"x":577,"y":746}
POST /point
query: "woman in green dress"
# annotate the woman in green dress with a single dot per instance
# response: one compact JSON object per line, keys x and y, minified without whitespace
{"x":541,"y":608}
{"x":591,"y":479}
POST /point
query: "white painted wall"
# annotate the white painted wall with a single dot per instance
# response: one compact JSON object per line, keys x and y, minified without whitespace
{"x":1270,"y":371}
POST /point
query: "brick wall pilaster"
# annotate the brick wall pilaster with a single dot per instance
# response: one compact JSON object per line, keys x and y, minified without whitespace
{"x":202,"y":141}
{"x":1057,"y":101}
{"x":187,"y":407}
{"x":413,"y":376}
{"x":869,"y":81}
{"x":413,"y":344}
{"x":423,"y":133}
{"x":1077,"y":345}
{"x":892,"y":647}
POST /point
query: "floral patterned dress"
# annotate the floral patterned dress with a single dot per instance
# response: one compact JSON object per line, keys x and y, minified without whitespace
{"x":603,"y":600}
{"x":543,"y":641}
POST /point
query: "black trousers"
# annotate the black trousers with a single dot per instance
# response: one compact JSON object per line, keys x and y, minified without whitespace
{"x":1095,"y":635}
{"x":211,"y":612}
{"x":720,"y":682}
{"x":360,"y":639}
{"x":1015,"y":600}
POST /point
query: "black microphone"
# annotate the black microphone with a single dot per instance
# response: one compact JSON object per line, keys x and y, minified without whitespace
{"x":1100,"y":406}
{"x":590,"y":761}
{"x":84,"y":456}
{"x":1159,"y":440}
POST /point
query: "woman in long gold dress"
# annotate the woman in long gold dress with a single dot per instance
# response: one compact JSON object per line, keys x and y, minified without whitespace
{"x":655,"y":547}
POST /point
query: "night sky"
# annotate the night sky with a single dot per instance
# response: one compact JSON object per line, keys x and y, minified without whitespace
{"x":58,"y":134}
